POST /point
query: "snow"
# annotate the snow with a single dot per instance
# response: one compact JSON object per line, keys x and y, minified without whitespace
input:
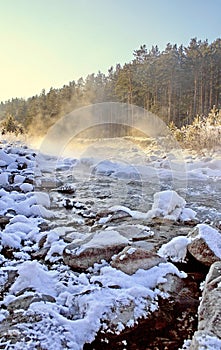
{"x":85,"y":303}
{"x":3,"y":179}
{"x":26,"y":187}
{"x":5,"y":158}
{"x":167,"y":204}
{"x":187,"y":214}
{"x":19,"y":179}
{"x":212,"y":237}
{"x":100,"y":304}
{"x":102,"y":239}
{"x":18,"y":226}
{"x":56,"y":250}
{"x":33,"y":275}
{"x":39,"y":210}
{"x":176,"y":249}
{"x":209,"y":342}
{"x":42,"y":198}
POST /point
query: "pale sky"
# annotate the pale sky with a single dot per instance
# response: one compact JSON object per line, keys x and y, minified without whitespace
{"x":47,"y":43}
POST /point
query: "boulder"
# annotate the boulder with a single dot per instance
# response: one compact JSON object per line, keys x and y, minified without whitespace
{"x":4,"y":220}
{"x":131,"y":259}
{"x":205,"y":244}
{"x":209,"y":318}
{"x":102,"y":245}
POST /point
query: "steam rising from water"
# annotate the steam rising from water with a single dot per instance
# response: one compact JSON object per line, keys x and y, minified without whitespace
{"x":102,"y":116}
{"x":115,"y":132}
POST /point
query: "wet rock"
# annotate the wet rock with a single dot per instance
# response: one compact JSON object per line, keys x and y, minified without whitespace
{"x":98,"y":246}
{"x":48,"y":183}
{"x":131,"y":259}
{"x":66,"y":189}
{"x":209,"y":318}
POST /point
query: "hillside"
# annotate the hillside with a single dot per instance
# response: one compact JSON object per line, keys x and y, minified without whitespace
{"x":177,"y":84}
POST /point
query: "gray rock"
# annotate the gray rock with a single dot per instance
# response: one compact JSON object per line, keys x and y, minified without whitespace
{"x":131,"y":259}
{"x":209,"y":317}
{"x":98,"y":246}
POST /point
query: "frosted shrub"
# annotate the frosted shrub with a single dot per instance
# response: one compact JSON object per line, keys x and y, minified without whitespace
{"x":204,"y":132}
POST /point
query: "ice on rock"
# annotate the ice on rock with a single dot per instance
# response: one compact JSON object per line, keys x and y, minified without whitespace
{"x":103,"y":239}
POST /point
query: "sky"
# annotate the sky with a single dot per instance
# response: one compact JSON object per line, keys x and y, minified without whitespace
{"x":48,"y":43}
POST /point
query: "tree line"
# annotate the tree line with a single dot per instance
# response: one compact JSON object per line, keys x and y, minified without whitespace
{"x":178,"y":84}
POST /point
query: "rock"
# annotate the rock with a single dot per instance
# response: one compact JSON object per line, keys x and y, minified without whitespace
{"x":131,"y":259}
{"x":202,"y":340}
{"x":205,"y":245}
{"x":66,"y":189}
{"x":201,"y":252}
{"x":41,"y":253}
{"x":135,"y":232}
{"x":4,"y":220}
{"x":98,"y":246}
{"x":23,"y":302}
{"x":110,"y":215}
{"x":163,"y":328}
{"x":209,"y":318}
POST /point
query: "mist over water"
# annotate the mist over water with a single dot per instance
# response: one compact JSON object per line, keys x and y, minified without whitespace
{"x":114,"y":137}
{"x":104,"y":121}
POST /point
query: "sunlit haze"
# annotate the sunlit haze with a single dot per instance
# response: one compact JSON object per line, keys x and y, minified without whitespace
{"x":49,"y":43}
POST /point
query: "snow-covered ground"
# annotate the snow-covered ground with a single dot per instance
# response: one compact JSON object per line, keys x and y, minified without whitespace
{"x":70,"y":307}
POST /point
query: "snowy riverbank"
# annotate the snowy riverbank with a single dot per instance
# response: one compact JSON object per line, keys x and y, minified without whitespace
{"x":69,"y":227}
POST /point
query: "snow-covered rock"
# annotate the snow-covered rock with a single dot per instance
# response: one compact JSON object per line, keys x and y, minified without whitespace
{"x":205,"y":244}
{"x":101,"y":245}
{"x":175,"y":249}
{"x":167,"y":204}
{"x":5,"y":158}
{"x":131,"y":259}
{"x":208,"y":335}
{"x":3,"y":179}
{"x":26,"y":187}
{"x":33,"y":275}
